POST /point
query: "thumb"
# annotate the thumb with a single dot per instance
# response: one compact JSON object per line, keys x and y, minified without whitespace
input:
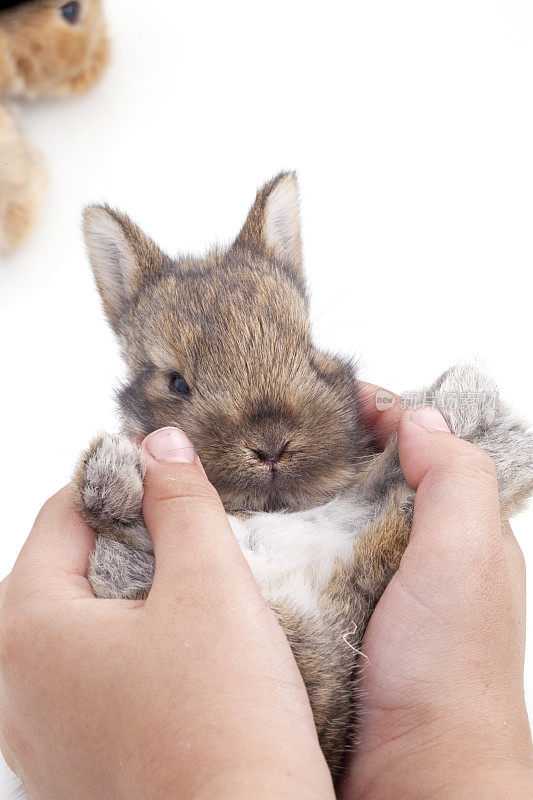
{"x":192,"y":539}
{"x":456,"y":504}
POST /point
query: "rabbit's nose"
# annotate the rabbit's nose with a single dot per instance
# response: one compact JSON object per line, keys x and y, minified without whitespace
{"x":270,"y":456}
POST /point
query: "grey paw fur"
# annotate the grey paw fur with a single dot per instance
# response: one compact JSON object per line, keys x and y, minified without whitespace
{"x":117,"y":570}
{"x":109,"y":491}
{"x":468,"y":399}
{"x":109,"y":483}
{"x":470,"y":402}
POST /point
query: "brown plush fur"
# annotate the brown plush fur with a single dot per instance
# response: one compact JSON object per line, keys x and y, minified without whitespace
{"x":41,"y":54}
{"x":276,"y":424}
{"x":22,"y":183}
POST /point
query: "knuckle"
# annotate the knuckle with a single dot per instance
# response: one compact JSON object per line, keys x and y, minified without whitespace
{"x":520,"y":559}
{"x":466,"y":465}
{"x":470,"y":462}
{"x":478,"y":462}
{"x":54,"y":504}
{"x":515,"y":553}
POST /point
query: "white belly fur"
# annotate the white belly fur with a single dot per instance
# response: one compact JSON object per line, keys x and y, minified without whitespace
{"x":292,"y":555}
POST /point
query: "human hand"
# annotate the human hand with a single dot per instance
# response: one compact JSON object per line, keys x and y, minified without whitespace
{"x":442,"y":691}
{"x":193,"y":693}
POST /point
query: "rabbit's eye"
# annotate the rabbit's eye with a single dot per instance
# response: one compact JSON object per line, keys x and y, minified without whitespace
{"x":178,"y":384}
{"x":71,"y":12}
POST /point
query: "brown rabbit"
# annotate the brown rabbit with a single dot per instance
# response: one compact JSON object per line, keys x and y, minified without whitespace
{"x":220,"y":346}
{"x":47,"y":48}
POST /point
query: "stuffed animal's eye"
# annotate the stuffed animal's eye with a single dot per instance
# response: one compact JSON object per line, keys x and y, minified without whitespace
{"x":178,"y":384}
{"x":71,"y":12}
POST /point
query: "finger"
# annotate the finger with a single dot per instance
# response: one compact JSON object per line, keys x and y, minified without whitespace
{"x":55,"y":557}
{"x":456,"y":505}
{"x":193,"y":542}
{"x":380,"y":411}
{"x":517,"y":580}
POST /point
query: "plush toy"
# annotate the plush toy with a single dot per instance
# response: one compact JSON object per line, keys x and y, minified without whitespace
{"x":47,"y":48}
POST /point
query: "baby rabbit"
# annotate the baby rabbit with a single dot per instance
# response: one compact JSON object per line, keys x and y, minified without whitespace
{"x":47,"y":48}
{"x":220,"y":346}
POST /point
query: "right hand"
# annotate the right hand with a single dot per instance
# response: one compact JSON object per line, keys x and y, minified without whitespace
{"x":443,"y":712}
{"x":193,"y":693}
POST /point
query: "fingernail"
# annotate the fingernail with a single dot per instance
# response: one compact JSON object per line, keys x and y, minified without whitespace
{"x":430,"y":418}
{"x":171,"y":445}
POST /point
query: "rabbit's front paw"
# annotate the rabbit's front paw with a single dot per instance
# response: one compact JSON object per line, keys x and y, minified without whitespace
{"x":468,"y":398}
{"x":109,"y":489}
{"x":470,"y":402}
{"x":117,"y":570}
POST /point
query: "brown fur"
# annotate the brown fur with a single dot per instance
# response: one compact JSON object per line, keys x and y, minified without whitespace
{"x":22,"y":183}
{"x":327,"y":644}
{"x":234,"y":325}
{"x":278,"y":393}
{"x":40,"y":54}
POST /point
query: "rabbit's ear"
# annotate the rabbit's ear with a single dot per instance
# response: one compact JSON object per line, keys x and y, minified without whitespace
{"x":273,"y":224}
{"x":122,"y":258}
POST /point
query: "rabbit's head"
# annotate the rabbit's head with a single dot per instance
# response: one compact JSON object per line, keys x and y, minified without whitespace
{"x":51,"y":47}
{"x":220,"y":347}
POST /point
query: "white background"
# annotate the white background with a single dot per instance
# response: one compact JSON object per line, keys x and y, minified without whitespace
{"x":411,"y":127}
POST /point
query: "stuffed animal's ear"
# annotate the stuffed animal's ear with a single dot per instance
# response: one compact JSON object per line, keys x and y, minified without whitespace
{"x":273,"y":224}
{"x":122,"y":258}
